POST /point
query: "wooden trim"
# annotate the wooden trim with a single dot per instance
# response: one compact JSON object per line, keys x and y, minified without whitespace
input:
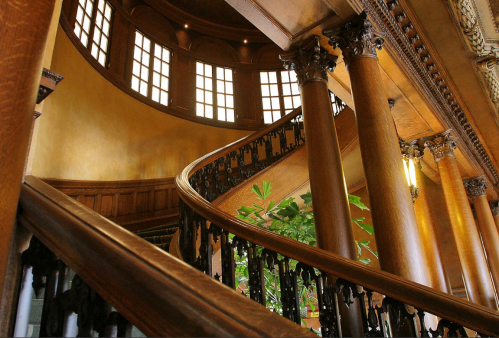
{"x":117,"y":200}
{"x":443,"y":305}
{"x":156,"y":292}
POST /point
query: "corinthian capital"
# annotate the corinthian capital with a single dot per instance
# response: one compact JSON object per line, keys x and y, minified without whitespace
{"x":356,"y":39}
{"x":442,"y":145}
{"x":311,"y":62}
{"x":476,"y":187}
{"x":494,"y":207}
{"x":414,"y":149}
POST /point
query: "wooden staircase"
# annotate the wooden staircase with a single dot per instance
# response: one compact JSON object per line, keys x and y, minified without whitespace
{"x":161,"y":236}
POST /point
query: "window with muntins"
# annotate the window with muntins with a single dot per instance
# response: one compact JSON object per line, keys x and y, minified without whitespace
{"x":280,"y":94}
{"x":336,"y":103}
{"x":151,"y":69}
{"x":215,"y":92}
{"x":93,"y":27}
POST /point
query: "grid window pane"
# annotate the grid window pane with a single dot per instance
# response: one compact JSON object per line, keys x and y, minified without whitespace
{"x":211,"y":80}
{"x":83,"y":20}
{"x":141,"y":68}
{"x":279,"y":88}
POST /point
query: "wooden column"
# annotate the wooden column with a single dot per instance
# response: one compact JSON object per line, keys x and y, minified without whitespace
{"x":396,"y":230}
{"x":437,"y":274}
{"x":333,"y":223}
{"x":24,"y":27}
{"x":486,"y":225}
{"x":494,"y":207}
{"x":473,"y":264}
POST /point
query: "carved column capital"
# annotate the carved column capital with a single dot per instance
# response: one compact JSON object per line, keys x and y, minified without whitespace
{"x":494,"y":207}
{"x":442,"y":145}
{"x":476,"y":187}
{"x":414,"y":149}
{"x":311,"y":62}
{"x":357,"y":39}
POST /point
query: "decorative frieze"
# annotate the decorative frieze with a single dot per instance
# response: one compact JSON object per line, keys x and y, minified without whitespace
{"x":358,"y":38}
{"x":311,"y":62}
{"x":442,"y":145}
{"x":465,"y":14}
{"x":476,"y":187}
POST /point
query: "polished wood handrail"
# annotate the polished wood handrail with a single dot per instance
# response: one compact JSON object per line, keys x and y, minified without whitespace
{"x":158,"y":293}
{"x":470,"y":315}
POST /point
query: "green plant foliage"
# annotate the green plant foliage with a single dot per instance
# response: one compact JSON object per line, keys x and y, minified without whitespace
{"x":288,"y":219}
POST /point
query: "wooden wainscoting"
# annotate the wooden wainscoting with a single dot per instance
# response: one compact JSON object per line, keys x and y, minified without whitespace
{"x":135,"y":205}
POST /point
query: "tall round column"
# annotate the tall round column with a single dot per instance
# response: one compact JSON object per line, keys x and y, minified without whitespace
{"x":438,"y":276}
{"x":333,"y":224}
{"x":469,"y":247}
{"x":494,"y":207}
{"x":486,"y":225}
{"x":24,"y":26}
{"x":397,"y":237}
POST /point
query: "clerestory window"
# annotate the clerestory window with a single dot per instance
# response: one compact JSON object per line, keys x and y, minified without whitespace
{"x":151,"y":69}
{"x":215,"y":92}
{"x":336,"y":103}
{"x":93,"y":26}
{"x":280,"y":94}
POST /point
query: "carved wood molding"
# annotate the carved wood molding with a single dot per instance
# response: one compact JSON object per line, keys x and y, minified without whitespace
{"x":468,"y":22}
{"x":408,"y":44}
{"x":475,"y":187}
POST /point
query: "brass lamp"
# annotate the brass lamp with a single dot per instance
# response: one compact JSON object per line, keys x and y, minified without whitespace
{"x":410,"y":159}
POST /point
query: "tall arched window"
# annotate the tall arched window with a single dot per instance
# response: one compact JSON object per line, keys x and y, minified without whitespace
{"x":151,"y":69}
{"x":93,"y":27}
{"x":215,"y":92}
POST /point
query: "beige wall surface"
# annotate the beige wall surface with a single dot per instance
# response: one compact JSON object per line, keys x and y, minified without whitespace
{"x":91,"y":130}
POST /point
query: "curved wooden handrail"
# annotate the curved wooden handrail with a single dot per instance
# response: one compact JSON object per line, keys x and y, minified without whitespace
{"x":460,"y":311}
{"x":158,"y":293}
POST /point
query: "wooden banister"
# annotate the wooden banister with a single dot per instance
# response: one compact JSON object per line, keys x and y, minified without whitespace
{"x":470,"y":315}
{"x":158,"y":293}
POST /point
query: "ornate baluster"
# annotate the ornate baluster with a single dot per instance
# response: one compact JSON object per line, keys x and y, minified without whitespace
{"x":283,"y":142}
{"x":205,"y":248}
{"x":256,"y":281}
{"x":328,"y":312}
{"x":124,"y":326}
{"x":424,"y":332}
{"x":399,"y":314}
{"x":372,"y":330}
{"x":228,"y":263}
{"x":454,"y":330}
{"x":289,"y":292}
{"x":187,"y":235}
{"x":269,"y":156}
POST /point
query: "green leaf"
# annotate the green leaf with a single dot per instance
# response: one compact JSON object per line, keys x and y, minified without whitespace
{"x":355,"y":200}
{"x":366,"y":261}
{"x":245,"y":210}
{"x":367,"y":227}
{"x":360,"y":219}
{"x":359,"y":248}
{"x":257,"y":191}
{"x":271,"y":205}
{"x":266,"y":189}
{"x":307,"y":198}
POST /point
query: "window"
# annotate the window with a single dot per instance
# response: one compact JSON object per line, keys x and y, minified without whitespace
{"x":159,"y":77}
{"x":94,"y":22}
{"x":337,"y":104}
{"x":214,"y":92}
{"x":280,"y":94}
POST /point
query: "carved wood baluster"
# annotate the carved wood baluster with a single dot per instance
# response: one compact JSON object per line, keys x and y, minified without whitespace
{"x":187,"y":235}
{"x":256,"y":281}
{"x":289,"y":292}
{"x":372,"y":319}
{"x":399,"y":315}
{"x":205,"y":248}
{"x":124,"y":326}
{"x":283,"y":142}
{"x":328,"y":314}
{"x":424,"y":332}
{"x":269,"y":151}
{"x":228,"y":263}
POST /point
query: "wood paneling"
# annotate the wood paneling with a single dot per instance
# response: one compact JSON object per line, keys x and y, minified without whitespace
{"x":135,"y":205}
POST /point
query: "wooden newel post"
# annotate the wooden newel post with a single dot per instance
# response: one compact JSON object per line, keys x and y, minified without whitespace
{"x":486,"y":225}
{"x":397,"y":238}
{"x":327,"y":183}
{"x":494,"y":207}
{"x":438,"y":277}
{"x":473,"y":264}
{"x":24,"y":26}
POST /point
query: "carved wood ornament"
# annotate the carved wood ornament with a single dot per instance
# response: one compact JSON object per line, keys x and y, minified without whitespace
{"x":358,"y":38}
{"x":494,"y":207}
{"x":311,"y":62}
{"x":442,"y":145}
{"x":476,"y":187}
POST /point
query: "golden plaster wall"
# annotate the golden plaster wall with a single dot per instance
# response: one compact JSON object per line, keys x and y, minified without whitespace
{"x":91,"y":130}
